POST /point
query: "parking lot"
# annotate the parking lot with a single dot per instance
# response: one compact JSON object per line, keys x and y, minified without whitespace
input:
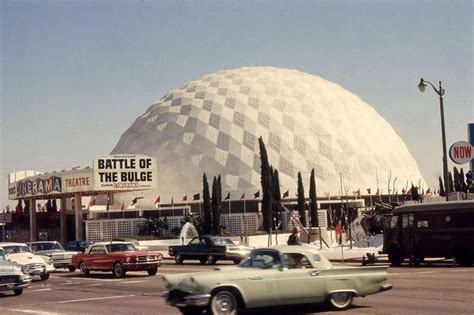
{"x":432,"y":289}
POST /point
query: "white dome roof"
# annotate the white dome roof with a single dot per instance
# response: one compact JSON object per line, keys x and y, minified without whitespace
{"x":212,"y":125}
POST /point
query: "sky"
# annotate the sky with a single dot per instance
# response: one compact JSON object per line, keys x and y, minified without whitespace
{"x":75,"y":74}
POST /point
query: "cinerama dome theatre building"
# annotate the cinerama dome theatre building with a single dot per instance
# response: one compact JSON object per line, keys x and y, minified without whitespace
{"x":212,"y":126}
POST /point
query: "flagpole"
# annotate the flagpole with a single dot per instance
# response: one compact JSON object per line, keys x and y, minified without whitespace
{"x":245,"y":220}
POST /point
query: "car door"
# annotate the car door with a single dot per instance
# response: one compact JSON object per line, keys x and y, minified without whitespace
{"x":96,"y":259}
{"x":300,"y":282}
{"x":258,"y":281}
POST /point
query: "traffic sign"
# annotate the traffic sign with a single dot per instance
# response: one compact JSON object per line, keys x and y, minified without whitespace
{"x":461,"y":152}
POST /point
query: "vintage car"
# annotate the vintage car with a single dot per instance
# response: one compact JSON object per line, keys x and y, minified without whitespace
{"x":78,"y":246}
{"x":34,"y":265}
{"x":209,"y":249}
{"x":118,"y":257}
{"x":61,"y":258}
{"x":273,"y":276}
{"x":12,"y":277}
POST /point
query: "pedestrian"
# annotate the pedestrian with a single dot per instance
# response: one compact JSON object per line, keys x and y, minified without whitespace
{"x":294,"y":238}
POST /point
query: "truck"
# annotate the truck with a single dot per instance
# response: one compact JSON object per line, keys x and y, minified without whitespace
{"x":209,"y":249}
{"x":419,"y":231}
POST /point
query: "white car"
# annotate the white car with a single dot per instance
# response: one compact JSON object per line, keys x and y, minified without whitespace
{"x":34,"y":265}
{"x":61,"y":257}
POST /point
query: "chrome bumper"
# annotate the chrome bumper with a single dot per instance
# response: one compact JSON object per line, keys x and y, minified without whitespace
{"x":15,"y":285}
{"x":198,"y":300}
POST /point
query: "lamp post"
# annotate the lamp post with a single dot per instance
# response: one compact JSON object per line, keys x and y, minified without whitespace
{"x":422,"y":86}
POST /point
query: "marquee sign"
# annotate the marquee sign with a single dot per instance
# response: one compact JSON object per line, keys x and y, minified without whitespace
{"x":41,"y":185}
{"x":125,"y":172}
{"x":461,"y":152}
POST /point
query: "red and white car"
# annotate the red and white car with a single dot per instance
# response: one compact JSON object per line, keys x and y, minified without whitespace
{"x":118,"y":257}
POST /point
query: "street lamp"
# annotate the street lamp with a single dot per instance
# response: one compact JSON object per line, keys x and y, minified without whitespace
{"x":440,"y":92}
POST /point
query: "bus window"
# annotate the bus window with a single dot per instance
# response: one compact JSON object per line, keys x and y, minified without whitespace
{"x":394,"y":222}
{"x":407,"y":220}
{"x":422,"y":224}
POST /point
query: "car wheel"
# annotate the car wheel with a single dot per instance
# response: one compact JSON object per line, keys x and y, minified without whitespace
{"x":237,"y":261}
{"x":71,"y":268}
{"x":203,"y":260}
{"x":44,"y":276}
{"x":224,"y":302}
{"x":83,"y":269}
{"x":211,"y":260}
{"x":152,"y":271}
{"x":340,"y":300}
{"x":18,"y":291}
{"x":178,"y":259}
{"x":118,"y":271}
{"x":395,"y":256}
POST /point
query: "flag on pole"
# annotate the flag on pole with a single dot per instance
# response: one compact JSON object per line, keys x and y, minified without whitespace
{"x":368,"y":191}
{"x":227,"y":197}
{"x":286,"y":194}
{"x":428,"y":191}
{"x":242,"y":197}
{"x":378,"y":192}
{"x":172,"y":201}
{"x":157,"y":200}
{"x":123,"y":205}
{"x":185,"y":198}
{"x":409,"y":191}
{"x":92,"y":202}
{"x":108,"y":202}
{"x":357,"y":193}
{"x":256,"y":195}
{"x":197,"y":196}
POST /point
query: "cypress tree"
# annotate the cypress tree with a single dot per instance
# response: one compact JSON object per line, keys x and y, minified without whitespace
{"x":277,"y":193}
{"x":457,"y":180}
{"x":301,"y":201}
{"x":450,"y":182}
{"x":265,"y":180}
{"x":312,"y":196}
{"x":441,"y":187}
{"x":206,"y":205}
{"x":214,"y":206}
{"x":463,"y":182}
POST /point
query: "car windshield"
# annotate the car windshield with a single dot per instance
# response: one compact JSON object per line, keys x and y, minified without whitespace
{"x":120,"y":248}
{"x":46,"y":246}
{"x":262,"y":259}
{"x":222,"y":241}
{"x":16,"y":249}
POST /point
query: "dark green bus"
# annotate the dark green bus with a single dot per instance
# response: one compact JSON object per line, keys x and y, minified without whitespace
{"x":444,"y":229}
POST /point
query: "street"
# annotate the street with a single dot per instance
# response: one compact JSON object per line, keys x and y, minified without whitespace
{"x":439,"y":289}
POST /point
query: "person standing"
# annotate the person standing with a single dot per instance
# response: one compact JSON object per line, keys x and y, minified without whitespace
{"x":294,"y":238}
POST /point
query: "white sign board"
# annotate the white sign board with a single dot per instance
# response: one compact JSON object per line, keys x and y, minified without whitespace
{"x":78,"y":181}
{"x":461,"y":152}
{"x":125,"y":172}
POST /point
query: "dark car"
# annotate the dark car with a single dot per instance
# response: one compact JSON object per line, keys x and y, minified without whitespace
{"x":209,"y":249}
{"x":79,"y":246}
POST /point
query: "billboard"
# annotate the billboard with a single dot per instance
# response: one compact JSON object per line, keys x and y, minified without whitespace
{"x":125,"y":172}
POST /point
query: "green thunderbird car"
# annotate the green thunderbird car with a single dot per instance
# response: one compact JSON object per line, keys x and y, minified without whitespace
{"x":273,"y":276}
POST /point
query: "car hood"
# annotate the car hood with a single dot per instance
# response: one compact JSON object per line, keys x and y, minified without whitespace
{"x":57,"y":253}
{"x":7,"y":268}
{"x":25,"y":258}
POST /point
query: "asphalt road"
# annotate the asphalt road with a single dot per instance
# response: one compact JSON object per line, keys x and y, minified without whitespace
{"x":435,"y":289}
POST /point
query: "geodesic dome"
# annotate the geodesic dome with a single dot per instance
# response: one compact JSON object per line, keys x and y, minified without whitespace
{"x":212,"y":126}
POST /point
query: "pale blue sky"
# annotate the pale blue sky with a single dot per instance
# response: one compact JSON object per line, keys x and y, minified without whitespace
{"x":76,"y":74}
